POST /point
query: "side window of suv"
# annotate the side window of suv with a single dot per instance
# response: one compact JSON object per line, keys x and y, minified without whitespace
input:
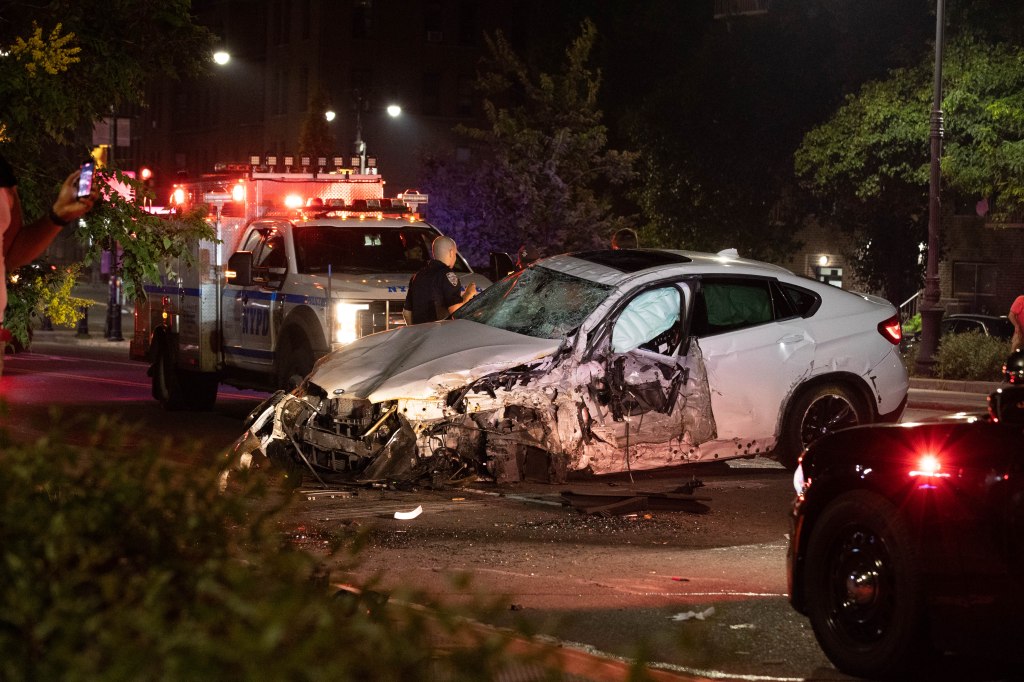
{"x":724,"y":305}
{"x":804,"y":302}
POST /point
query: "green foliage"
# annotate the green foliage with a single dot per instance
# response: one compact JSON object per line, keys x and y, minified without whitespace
{"x":547,"y":180}
{"x":117,"y":565}
{"x":39,"y":290}
{"x":912,"y":325}
{"x":870,"y":162}
{"x":971,"y":356}
{"x":316,"y":138}
{"x":69,"y":64}
{"x":147,"y":241}
{"x":84,"y":57}
{"x":985,"y":112}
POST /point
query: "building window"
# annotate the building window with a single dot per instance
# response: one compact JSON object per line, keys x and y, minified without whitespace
{"x":975,"y":284}
{"x":432,"y":16}
{"x":304,"y":89}
{"x":306,"y":19}
{"x":280,"y":23}
{"x":468,"y":26}
{"x":464,"y":99}
{"x":431,"y":100}
{"x":280,"y":93}
{"x":362,"y":20}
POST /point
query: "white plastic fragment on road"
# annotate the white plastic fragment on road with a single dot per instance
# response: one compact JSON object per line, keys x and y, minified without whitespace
{"x":695,"y":615}
{"x":405,"y":516}
{"x":742,"y":626}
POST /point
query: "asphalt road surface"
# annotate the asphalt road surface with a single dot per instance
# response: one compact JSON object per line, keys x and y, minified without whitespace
{"x":699,"y":593}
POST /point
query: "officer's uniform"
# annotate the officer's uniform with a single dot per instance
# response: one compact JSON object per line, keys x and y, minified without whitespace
{"x":432,"y":290}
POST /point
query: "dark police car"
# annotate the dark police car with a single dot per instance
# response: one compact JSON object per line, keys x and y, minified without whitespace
{"x":908,"y":541}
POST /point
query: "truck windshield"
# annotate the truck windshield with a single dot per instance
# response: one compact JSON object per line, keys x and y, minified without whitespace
{"x":364,"y":248}
{"x":536,"y":302}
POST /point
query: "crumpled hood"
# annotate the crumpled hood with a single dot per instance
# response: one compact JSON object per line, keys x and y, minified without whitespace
{"x":417,"y":361}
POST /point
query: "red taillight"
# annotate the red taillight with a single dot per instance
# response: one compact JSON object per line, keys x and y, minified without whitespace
{"x":891,"y":330}
{"x":929,"y":466}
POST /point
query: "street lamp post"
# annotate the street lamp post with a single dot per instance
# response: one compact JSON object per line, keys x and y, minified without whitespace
{"x":360,"y":145}
{"x":931,"y":311}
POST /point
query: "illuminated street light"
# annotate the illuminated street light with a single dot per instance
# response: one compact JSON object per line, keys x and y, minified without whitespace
{"x":329,"y":115}
{"x":221,"y":57}
{"x":394,"y":111}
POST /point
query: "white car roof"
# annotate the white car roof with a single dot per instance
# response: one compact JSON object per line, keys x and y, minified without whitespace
{"x":614,"y":267}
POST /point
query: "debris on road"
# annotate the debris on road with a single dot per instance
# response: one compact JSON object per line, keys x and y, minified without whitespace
{"x":694,"y":615}
{"x":632,"y":501}
{"x":409,"y":515}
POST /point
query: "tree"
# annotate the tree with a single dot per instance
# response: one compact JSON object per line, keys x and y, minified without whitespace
{"x":548,"y":173}
{"x":61,"y":77}
{"x":868,"y":164}
{"x":316,"y":138}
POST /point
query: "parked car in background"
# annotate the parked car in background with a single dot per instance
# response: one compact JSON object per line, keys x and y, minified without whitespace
{"x":908,"y":541}
{"x":604,"y":361}
{"x":990,"y":325}
{"x":998,"y":327}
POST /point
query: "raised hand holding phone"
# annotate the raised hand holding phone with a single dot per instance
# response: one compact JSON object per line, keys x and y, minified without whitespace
{"x":85,"y":179}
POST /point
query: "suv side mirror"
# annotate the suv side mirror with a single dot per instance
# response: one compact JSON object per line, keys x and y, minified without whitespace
{"x":240,"y":268}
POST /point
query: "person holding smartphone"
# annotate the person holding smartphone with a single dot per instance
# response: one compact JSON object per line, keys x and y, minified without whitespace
{"x":22,"y":243}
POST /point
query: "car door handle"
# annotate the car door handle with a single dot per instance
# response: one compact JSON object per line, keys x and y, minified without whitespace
{"x":792,"y":338}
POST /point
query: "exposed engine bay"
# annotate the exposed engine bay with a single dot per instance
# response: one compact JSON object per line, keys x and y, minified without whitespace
{"x":537,"y":421}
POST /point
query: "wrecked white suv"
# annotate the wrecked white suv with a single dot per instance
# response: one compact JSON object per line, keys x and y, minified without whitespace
{"x":604,"y":361}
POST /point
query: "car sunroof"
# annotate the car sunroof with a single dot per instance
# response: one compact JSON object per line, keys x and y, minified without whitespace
{"x":631,"y":260}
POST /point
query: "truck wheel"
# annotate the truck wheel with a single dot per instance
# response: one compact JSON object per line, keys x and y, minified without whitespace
{"x":166,"y":387}
{"x":294,"y":361}
{"x":178,"y":389}
{"x":863,"y":588}
{"x":817,"y":412}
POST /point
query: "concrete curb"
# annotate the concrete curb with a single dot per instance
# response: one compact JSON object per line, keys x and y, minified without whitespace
{"x":981,"y":387}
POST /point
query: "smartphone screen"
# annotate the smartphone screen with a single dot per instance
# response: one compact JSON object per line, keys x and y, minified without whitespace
{"x":85,"y":179}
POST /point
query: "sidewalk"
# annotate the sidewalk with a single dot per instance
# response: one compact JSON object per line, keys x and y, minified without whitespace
{"x":96,"y":337}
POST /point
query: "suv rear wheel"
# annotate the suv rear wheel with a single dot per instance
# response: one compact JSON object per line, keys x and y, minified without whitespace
{"x":817,"y":412}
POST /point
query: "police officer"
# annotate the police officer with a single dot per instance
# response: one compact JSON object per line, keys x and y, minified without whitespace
{"x":434,"y":291}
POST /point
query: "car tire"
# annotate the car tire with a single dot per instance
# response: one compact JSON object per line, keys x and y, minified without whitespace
{"x":294,"y":361}
{"x":862,"y":588}
{"x":816,"y":412}
{"x":178,"y":389}
{"x":167,"y":388}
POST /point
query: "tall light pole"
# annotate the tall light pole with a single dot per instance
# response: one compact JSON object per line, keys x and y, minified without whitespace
{"x":931,"y":311}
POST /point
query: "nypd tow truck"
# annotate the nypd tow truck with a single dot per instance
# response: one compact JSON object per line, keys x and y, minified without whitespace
{"x":303,"y":266}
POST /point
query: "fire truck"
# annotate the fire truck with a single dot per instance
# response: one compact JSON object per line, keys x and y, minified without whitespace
{"x":302,"y":265}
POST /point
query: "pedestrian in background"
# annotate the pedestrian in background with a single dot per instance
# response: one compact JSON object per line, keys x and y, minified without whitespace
{"x":435,"y":291}
{"x":625,"y":238}
{"x":23,"y":243}
{"x":526,"y":255}
{"x":1017,"y":318}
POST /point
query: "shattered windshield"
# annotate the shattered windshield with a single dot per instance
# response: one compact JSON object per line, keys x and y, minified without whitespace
{"x":536,"y":302}
{"x":364,"y":248}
